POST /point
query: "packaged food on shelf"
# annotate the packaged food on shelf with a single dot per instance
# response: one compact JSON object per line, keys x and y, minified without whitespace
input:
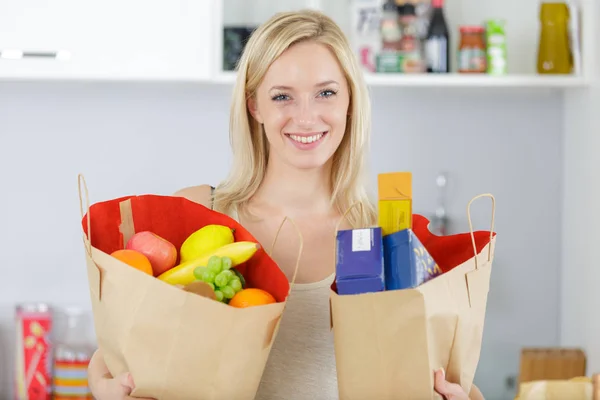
{"x":359,"y":261}
{"x":33,"y":358}
{"x":73,"y":351}
{"x":495,"y":35}
{"x":554,"y":49}
{"x":472,"y":50}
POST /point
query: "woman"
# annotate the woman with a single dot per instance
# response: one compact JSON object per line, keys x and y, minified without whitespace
{"x":300,"y":127}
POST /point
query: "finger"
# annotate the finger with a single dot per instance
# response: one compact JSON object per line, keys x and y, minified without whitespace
{"x":126,"y":380}
{"x":440,"y":384}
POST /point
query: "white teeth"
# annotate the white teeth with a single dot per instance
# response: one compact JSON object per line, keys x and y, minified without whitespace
{"x":306,"y":139}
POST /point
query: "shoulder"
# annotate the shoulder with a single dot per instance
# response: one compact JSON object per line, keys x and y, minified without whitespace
{"x":199,"y":194}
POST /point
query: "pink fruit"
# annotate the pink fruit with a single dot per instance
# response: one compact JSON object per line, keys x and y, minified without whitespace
{"x":161,"y":253}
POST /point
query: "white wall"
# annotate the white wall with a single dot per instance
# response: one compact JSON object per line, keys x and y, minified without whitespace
{"x":130,"y":139}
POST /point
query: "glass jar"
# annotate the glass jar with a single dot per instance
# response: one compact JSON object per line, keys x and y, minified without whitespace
{"x":554,"y":52}
{"x":472,"y":50}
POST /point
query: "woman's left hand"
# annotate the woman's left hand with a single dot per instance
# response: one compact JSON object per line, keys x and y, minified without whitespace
{"x":450,"y":391}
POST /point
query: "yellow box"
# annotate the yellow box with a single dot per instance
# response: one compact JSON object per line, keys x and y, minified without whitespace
{"x":395,"y":201}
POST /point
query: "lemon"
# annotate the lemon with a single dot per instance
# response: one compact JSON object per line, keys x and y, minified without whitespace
{"x":204,"y":240}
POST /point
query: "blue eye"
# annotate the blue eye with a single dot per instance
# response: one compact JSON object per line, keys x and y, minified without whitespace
{"x":327,"y":93}
{"x":280,"y":97}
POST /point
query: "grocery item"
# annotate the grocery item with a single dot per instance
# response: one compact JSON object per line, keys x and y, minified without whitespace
{"x":437,"y":42}
{"x":134,"y":259}
{"x":390,"y":27}
{"x":472,"y":50}
{"x":238,"y":252}
{"x":390,"y":342}
{"x":554,"y":50}
{"x":144,"y":320}
{"x":218,"y":275}
{"x":240,"y":276}
{"x":72,"y":357}
{"x":395,"y":201}
{"x":160,"y":252}
{"x":205,"y":239}
{"x":359,"y":261}
{"x":33,"y":361}
{"x":411,"y":46}
{"x":251,"y":297}
{"x":407,"y":263}
{"x":497,"y":63}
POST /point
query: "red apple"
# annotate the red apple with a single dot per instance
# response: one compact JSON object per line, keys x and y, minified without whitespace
{"x":161,"y":253}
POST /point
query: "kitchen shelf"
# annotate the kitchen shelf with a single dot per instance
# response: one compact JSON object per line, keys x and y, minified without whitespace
{"x":457,"y":80}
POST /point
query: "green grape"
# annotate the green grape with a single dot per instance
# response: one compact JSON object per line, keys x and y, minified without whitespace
{"x":236,"y":284}
{"x":228,"y":292}
{"x":214,"y":264}
{"x":208,"y":276}
{"x":223,"y":278}
{"x":239,"y":276}
{"x":219,"y":295}
{"x":198,"y":273}
{"x":227,"y":263}
{"x":212,"y":285}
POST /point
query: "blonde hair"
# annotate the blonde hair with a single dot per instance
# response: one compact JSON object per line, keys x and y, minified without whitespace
{"x":248,"y":141}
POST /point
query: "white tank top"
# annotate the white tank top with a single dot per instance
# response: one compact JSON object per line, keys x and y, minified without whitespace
{"x":301,"y":365}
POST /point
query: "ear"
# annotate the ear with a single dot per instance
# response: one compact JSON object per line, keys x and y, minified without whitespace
{"x":253,"y":108}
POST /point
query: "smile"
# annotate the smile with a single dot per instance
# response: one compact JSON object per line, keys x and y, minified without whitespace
{"x":306,"y":139}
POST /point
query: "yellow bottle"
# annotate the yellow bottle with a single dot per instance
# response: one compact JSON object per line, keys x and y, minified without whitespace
{"x":554,"y":51}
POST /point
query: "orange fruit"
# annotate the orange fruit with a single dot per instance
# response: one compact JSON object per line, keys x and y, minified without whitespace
{"x":251,"y":297}
{"x":135,"y":259}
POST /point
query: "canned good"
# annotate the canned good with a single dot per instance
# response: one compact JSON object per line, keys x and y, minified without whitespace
{"x":33,"y":364}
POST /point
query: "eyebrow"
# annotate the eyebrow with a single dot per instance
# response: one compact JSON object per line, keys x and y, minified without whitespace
{"x":321,"y":84}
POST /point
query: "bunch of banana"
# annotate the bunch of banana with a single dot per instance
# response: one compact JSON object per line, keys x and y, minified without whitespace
{"x":199,"y":247}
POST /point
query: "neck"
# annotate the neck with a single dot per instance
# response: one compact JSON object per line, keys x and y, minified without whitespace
{"x":295,"y":191}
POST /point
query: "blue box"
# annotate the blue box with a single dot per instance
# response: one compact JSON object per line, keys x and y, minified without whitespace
{"x":359,"y":262}
{"x":407,"y":263}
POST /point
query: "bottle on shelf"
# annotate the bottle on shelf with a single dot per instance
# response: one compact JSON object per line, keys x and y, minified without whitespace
{"x":390,"y":27}
{"x":411,"y":46}
{"x":72,"y":356}
{"x":437,"y":41}
{"x":554,"y":51}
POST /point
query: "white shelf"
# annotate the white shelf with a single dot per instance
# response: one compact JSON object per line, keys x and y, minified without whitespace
{"x":457,"y":80}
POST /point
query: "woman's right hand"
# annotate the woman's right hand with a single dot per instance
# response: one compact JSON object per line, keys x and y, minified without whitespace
{"x":105,"y":387}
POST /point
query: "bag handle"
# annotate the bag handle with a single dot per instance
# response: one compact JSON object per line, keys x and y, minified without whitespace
{"x":270,"y":253}
{"x":277,"y":321}
{"x":88,"y":239}
{"x":491,"y":227}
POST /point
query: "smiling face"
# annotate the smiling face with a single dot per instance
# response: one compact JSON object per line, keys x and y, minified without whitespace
{"x":303,"y":103}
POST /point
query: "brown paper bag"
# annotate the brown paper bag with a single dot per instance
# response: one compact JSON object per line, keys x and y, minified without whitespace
{"x":388,"y":344}
{"x":176,"y":344}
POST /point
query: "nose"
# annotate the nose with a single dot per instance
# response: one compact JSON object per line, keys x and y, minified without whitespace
{"x":306,"y":115}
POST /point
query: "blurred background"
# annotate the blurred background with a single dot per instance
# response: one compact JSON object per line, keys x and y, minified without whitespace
{"x":136,"y":96}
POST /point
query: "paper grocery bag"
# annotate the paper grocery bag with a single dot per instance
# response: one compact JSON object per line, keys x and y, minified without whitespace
{"x":177,"y":345}
{"x":388,"y":344}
